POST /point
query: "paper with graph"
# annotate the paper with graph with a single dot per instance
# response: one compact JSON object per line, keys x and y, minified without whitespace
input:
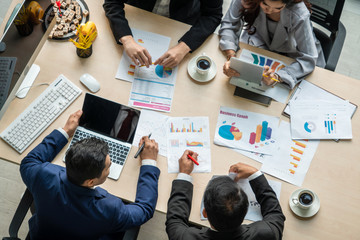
{"x":152,"y":122}
{"x":190,"y":133}
{"x":292,"y":159}
{"x":156,"y":44}
{"x":246,"y":130}
{"x":320,"y":119}
{"x":278,"y":92}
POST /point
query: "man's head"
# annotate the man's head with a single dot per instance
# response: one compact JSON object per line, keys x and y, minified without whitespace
{"x":88,"y":162}
{"x":225,"y":204}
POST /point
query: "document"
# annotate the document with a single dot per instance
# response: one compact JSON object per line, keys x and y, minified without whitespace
{"x":254,"y":211}
{"x":156,"y":44}
{"x":190,"y":133}
{"x":278,"y":92}
{"x":309,"y":91}
{"x":320,"y":119}
{"x":292,"y":159}
{"x":153,"y":88}
{"x":152,"y":122}
{"x":247,"y":131}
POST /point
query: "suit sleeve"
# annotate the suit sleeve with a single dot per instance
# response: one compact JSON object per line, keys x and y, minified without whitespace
{"x":139,"y":212}
{"x":114,"y":11}
{"x":210,"y":17}
{"x":270,"y":206}
{"x":179,"y":207}
{"x":40,"y":156}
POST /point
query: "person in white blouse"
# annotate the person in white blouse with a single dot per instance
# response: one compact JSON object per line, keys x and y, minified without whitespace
{"x":281,"y":26}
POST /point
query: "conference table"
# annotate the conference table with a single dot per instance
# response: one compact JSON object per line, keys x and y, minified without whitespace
{"x":334,"y":171}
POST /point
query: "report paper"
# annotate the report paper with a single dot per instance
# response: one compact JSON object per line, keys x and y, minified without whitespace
{"x":320,"y":120}
{"x":248,"y":131}
{"x":190,"y":133}
{"x":156,"y":45}
{"x":278,"y":92}
{"x":292,"y":159}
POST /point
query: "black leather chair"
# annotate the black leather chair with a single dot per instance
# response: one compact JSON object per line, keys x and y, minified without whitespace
{"x":26,"y":203}
{"x":327,"y":14}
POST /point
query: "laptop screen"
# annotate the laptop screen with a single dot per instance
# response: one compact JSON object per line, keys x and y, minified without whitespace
{"x":109,"y":118}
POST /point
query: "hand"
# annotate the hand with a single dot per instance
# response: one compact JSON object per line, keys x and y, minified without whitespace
{"x":229,"y":71}
{"x":150,"y":150}
{"x":242,"y":170}
{"x":229,"y":53}
{"x":173,"y":56}
{"x":138,"y":54}
{"x":186,"y":165}
{"x":268,"y":74}
{"x":72,"y":123}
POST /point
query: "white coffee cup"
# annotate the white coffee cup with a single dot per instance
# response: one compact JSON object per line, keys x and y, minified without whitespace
{"x":203,"y":64}
{"x":304,"y":199}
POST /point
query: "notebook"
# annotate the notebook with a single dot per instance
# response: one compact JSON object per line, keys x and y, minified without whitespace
{"x":111,"y":122}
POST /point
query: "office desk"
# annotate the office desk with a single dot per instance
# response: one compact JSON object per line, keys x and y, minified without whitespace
{"x":334,"y":171}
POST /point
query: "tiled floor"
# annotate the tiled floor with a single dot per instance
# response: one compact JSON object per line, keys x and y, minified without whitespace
{"x":11,"y":186}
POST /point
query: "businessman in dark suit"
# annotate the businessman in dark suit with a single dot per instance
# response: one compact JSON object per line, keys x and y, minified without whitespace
{"x":67,"y":202}
{"x":225,"y":206}
{"x":203,"y":15}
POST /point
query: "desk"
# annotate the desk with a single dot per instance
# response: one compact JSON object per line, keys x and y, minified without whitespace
{"x":333,"y":174}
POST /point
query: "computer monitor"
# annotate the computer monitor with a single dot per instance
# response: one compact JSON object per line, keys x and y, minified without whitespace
{"x":19,"y":47}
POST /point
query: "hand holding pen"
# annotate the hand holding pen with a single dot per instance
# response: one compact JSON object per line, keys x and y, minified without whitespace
{"x":269,"y":77}
{"x":148,"y":148}
{"x":187,"y":160}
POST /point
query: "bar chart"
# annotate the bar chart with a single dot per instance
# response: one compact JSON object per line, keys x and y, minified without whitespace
{"x":263,"y":132}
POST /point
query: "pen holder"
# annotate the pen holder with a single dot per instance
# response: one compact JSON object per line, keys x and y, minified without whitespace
{"x":84,"y":53}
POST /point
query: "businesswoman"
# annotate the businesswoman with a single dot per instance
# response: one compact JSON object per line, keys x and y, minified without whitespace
{"x":281,"y":26}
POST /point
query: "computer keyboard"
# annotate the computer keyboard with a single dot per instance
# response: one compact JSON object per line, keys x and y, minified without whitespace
{"x":7,"y":66}
{"x":118,"y":152}
{"x":40,"y":113}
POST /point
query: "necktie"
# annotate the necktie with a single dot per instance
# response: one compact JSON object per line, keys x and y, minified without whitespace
{"x":124,"y":131}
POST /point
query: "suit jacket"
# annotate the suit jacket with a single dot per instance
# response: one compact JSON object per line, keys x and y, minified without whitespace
{"x":68,"y":211}
{"x":293,"y":37}
{"x":179,"y":206}
{"x":203,"y":15}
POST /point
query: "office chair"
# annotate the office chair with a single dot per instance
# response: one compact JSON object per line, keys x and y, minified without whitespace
{"x":329,"y":18}
{"x":26,"y":203}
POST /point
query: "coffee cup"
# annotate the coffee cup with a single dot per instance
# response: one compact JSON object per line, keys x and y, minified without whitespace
{"x":203,"y":64}
{"x":304,"y":199}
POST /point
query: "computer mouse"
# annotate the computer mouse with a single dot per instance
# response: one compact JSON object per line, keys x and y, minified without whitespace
{"x":90,"y":82}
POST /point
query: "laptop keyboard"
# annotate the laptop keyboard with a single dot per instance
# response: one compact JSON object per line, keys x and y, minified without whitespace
{"x":7,"y":66}
{"x":118,"y":152}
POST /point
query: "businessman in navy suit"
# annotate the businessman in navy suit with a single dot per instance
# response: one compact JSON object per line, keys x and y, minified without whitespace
{"x":68,"y":204}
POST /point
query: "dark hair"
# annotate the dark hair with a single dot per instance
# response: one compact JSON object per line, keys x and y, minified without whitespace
{"x":225,"y":203}
{"x":248,"y":15}
{"x":86,"y":160}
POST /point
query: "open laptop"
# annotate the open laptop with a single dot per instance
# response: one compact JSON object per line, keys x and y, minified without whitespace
{"x":249,"y":72}
{"x":107,"y":120}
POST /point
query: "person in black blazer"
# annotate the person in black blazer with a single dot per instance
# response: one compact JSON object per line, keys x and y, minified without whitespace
{"x":225,"y":206}
{"x":203,"y":15}
{"x":69,"y":204}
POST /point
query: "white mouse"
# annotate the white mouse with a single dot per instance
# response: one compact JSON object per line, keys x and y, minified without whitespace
{"x":90,"y":82}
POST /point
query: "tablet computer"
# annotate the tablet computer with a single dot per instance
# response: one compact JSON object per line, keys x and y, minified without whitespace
{"x":248,"y":71}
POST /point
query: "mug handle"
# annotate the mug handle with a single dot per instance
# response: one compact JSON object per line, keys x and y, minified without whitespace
{"x":295,"y":201}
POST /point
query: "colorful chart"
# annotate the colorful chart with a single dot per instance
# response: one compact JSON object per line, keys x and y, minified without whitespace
{"x":263,"y":61}
{"x":230,"y":132}
{"x":184,"y":129}
{"x":163,"y":72}
{"x":174,"y":142}
{"x":194,"y":144}
{"x":131,"y":70}
{"x":263,"y":132}
{"x":309,"y":127}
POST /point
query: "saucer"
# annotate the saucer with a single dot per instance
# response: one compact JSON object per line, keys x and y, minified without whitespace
{"x":305,"y":213}
{"x":199,"y":77}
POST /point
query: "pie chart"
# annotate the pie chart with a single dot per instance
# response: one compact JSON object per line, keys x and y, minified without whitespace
{"x":163,"y":72}
{"x":309,"y":127}
{"x":230,"y":132}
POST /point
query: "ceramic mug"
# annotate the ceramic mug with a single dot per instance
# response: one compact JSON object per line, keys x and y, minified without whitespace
{"x":203,"y":64}
{"x":304,"y":199}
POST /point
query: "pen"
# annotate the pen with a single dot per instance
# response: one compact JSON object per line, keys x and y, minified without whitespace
{"x":141,"y":148}
{"x":272,"y":78}
{"x":193,"y":159}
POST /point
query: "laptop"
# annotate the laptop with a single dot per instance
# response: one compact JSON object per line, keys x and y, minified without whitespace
{"x":248,"y":71}
{"x":108,"y":121}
